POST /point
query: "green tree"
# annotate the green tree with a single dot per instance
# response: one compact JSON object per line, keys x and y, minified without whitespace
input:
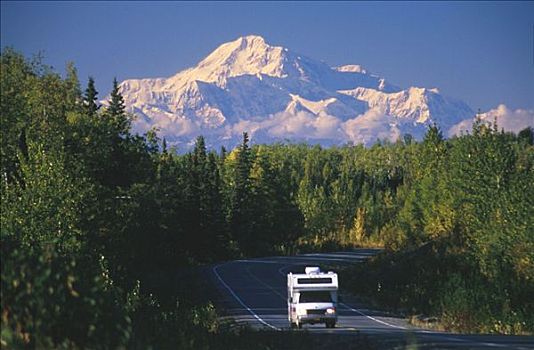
{"x":117,"y":110}
{"x":72,"y":86}
{"x":90,"y":98}
{"x":116,"y":102}
{"x":526,"y":135}
{"x":241,"y":216}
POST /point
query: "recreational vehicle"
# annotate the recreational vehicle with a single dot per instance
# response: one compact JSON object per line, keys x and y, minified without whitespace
{"x":312,"y":297}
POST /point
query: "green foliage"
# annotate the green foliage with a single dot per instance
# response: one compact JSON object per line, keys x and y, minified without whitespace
{"x":461,"y":243}
{"x":50,"y":300}
{"x":44,"y":207}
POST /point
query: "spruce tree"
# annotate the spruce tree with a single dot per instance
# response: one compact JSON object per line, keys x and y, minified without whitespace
{"x":241,"y":216}
{"x":216,"y":230}
{"x":90,"y":97}
{"x":526,"y":136}
{"x":116,"y":102}
{"x":164,"y":146}
{"x":117,"y":110}
{"x":199,"y":155}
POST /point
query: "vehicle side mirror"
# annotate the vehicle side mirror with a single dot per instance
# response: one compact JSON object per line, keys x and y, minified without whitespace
{"x":290,"y":299}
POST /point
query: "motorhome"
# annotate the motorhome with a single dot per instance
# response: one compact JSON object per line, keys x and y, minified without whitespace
{"x":312,"y":297}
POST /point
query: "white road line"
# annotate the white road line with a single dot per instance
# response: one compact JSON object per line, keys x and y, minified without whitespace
{"x":495,"y":345}
{"x":241,"y":301}
{"x":372,"y":318}
{"x":283,"y":268}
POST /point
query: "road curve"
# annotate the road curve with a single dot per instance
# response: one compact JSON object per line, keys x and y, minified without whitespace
{"x":253,"y":291}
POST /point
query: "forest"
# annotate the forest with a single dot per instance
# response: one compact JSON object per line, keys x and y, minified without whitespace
{"x":96,"y":221}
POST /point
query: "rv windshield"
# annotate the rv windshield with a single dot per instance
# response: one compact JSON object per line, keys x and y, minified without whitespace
{"x":315,"y":297}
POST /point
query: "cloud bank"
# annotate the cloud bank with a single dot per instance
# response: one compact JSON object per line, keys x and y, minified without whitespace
{"x":507,"y":119}
{"x":365,"y":128}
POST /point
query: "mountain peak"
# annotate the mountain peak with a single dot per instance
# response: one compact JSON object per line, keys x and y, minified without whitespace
{"x":252,"y":40}
{"x":243,"y":43}
{"x":247,"y":55}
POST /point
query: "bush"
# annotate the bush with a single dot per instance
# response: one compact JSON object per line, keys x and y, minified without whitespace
{"x":53,"y":301}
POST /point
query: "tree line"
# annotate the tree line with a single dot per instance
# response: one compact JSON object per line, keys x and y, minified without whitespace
{"x":97,"y":220}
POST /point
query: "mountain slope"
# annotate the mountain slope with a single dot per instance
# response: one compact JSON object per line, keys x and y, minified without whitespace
{"x":276,"y":94}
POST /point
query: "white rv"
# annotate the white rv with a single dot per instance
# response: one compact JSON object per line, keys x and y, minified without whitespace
{"x":312,"y":298}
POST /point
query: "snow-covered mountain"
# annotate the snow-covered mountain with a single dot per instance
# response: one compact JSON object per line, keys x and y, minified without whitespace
{"x":277,"y":94}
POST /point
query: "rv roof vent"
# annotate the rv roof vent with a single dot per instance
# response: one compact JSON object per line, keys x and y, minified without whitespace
{"x":312,"y":270}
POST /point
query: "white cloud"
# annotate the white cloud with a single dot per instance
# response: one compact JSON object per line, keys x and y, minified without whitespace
{"x":370,"y":126}
{"x":365,"y":128}
{"x":168,"y":125}
{"x":287,"y":124}
{"x":507,"y":119}
{"x":245,"y":125}
{"x":327,"y":126}
{"x":301,"y":125}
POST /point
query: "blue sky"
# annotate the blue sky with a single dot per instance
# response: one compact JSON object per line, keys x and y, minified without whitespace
{"x":481,"y":52}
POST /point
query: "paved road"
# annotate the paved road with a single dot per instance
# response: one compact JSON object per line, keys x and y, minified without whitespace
{"x":254,"y":291}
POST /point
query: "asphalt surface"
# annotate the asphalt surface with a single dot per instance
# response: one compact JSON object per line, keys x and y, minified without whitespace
{"x":254,"y":292}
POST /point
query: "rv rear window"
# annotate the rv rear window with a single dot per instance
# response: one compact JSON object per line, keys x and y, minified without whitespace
{"x":313,"y":280}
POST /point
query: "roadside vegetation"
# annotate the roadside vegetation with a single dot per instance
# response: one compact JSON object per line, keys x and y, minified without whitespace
{"x":460,"y":246}
{"x":101,"y":227}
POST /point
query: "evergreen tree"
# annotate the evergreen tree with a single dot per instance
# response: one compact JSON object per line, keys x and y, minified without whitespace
{"x":90,"y":98}
{"x":164,"y":146}
{"x":116,"y":102}
{"x":526,"y":135}
{"x":217,"y":232}
{"x":241,"y":215}
{"x":116,"y":110}
{"x":433,"y":148}
{"x":200,"y":210}
{"x":263,"y":206}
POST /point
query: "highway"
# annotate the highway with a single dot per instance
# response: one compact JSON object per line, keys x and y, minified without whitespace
{"x":253,"y":291}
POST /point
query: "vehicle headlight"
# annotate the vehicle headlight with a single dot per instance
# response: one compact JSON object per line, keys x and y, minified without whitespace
{"x":301,"y":312}
{"x":331,"y":310}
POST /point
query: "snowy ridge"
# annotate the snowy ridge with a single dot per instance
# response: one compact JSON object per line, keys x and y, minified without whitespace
{"x":276,"y":94}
